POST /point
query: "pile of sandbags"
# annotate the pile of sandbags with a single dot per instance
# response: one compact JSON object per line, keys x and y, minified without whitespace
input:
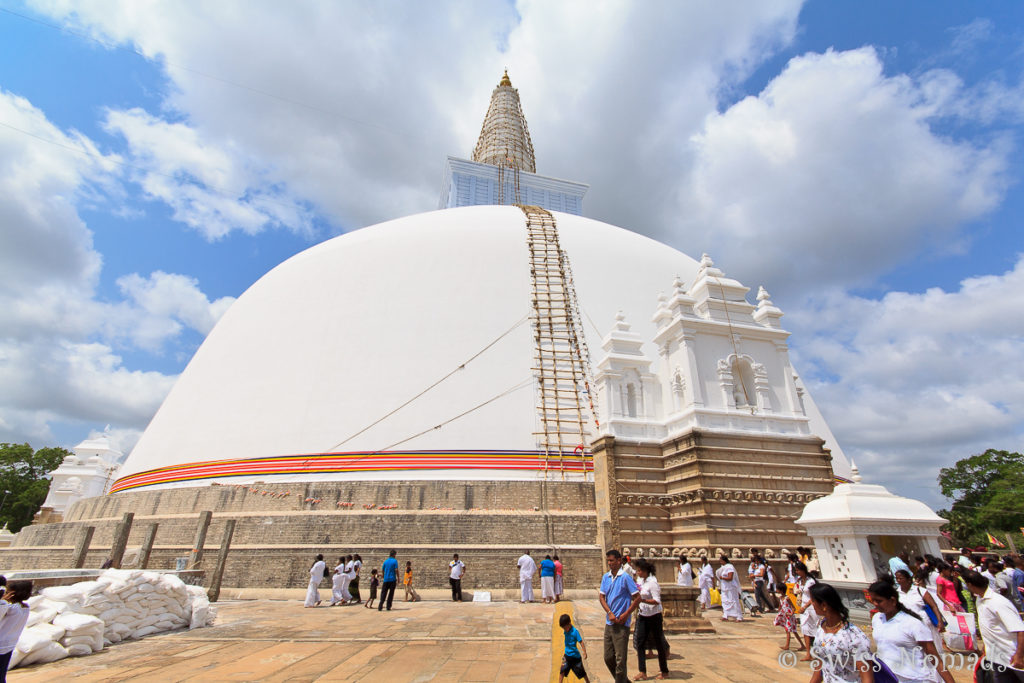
{"x":82,"y":618}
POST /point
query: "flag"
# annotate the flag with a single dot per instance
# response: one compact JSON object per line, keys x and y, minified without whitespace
{"x":994,"y":541}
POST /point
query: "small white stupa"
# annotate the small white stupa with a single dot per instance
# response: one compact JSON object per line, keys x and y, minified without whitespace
{"x":858,"y":527}
{"x":88,"y":472}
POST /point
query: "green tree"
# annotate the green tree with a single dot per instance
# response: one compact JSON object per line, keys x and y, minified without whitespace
{"x":23,"y":481}
{"x":988,"y":493}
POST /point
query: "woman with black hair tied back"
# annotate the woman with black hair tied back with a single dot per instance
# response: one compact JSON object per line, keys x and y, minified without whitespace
{"x":902,"y":639}
{"x":808,"y":617}
{"x":916,"y":598}
{"x":649,"y":629}
{"x":842,"y":651}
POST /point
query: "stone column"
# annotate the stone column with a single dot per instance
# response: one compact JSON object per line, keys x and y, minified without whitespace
{"x":681,"y":612}
{"x":147,"y":545}
{"x":124,"y":528}
{"x":196,"y":556}
{"x":222,"y":558}
{"x":605,"y":493}
{"x":82,"y":547}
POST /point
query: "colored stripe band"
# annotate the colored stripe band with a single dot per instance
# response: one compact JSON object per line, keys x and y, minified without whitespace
{"x":364,"y":461}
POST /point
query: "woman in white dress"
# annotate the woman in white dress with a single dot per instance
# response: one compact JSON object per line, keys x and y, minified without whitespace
{"x":705,"y":581}
{"x":842,"y":649}
{"x":808,"y":616}
{"x":338,"y":583}
{"x":684,"y":572}
{"x":729,"y":585}
{"x":915,"y":597}
{"x":902,"y":640}
{"x":316,"y":575}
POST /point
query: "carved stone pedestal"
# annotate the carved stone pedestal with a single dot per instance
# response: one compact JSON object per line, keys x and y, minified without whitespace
{"x":681,"y":612}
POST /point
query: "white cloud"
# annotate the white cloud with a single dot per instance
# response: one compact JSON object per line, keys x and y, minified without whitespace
{"x":366,"y":99}
{"x":833,"y":174}
{"x":57,"y":360}
{"x":211,"y":187}
{"x":913,"y":382}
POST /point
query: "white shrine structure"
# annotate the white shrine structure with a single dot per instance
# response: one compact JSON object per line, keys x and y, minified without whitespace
{"x":88,"y":472}
{"x":858,"y":527}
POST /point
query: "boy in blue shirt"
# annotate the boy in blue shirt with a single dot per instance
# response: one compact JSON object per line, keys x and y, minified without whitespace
{"x":572,"y":661}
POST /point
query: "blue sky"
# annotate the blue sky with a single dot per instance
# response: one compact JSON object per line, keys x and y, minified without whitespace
{"x":882,"y":214}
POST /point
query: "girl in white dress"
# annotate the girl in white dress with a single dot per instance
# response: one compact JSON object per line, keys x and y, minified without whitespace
{"x":902,"y":640}
{"x":338,"y":582}
{"x":915,"y":597}
{"x":842,"y":649}
{"x":808,"y":616}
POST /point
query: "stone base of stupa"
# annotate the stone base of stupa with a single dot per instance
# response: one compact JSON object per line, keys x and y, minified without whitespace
{"x":279,"y":528}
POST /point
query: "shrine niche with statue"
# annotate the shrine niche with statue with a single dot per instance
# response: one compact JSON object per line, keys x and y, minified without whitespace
{"x":859,"y":528}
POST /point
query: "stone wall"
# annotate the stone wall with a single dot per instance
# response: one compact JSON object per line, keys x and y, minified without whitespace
{"x":281,"y":527}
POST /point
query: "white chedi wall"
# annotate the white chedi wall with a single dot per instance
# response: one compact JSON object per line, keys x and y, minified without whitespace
{"x":722,"y":365}
{"x":88,"y":472}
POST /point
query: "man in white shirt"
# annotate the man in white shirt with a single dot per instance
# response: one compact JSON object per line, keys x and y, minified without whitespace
{"x":456,"y":570}
{"x":1002,"y":631}
{"x":527,"y":568}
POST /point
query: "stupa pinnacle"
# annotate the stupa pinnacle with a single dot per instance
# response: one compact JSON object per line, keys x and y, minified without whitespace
{"x":504,"y":137}
{"x":503,"y":169}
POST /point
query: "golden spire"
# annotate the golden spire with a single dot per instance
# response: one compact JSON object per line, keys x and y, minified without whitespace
{"x":505,"y":80}
{"x":504,"y":137}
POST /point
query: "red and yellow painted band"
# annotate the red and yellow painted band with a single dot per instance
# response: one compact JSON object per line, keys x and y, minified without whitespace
{"x":364,"y":461}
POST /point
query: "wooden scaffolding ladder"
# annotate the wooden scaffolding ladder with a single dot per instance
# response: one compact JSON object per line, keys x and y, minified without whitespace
{"x":566,"y":401}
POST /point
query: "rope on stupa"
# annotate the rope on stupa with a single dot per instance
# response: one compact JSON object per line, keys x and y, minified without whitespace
{"x":461,"y":366}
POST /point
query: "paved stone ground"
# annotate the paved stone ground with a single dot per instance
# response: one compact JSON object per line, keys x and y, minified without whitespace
{"x":273,"y":640}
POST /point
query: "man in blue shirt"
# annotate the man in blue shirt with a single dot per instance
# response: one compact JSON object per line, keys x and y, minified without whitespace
{"x":619,"y":597}
{"x":389,"y":578}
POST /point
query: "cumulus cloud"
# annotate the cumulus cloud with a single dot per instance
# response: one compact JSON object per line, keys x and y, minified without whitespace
{"x":359,"y":120}
{"x":913,"y":382}
{"x":58,"y":363}
{"x":211,"y":187}
{"x":833,"y":174}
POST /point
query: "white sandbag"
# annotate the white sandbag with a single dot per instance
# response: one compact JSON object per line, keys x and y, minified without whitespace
{"x":200,"y":615}
{"x":148,"y":621}
{"x":122,"y":630}
{"x":107,"y":642}
{"x":41,"y":615}
{"x":49,"y":631}
{"x":32,"y":639}
{"x":79,"y":650}
{"x":16,"y":658}
{"x":69,"y":594}
{"x":73,"y":622}
{"x":49,"y":653}
{"x":146,"y":588}
{"x":112,"y":615}
{"x":145,"y":631}
{"x":77,"y":640}
{"x":164,"y":625}
{"x":35,"y":600}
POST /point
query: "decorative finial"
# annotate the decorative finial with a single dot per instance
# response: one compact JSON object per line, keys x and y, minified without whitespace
{"x":854,"y":473}
{"x":620,"y":322}
{"x":762,"y":294}
{"x":620,"y":316}
{"x":677,"y":284}
{"x":504,"y":79}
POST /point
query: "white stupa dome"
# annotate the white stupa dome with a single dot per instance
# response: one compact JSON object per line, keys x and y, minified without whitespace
{"x":309,"y":359}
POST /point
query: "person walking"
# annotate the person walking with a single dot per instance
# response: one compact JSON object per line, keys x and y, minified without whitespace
{"x":410,"y":593}
{"x":808,"y":617}
{"x":547,"y":579}
{"x":705,"y":581}
{"x":649,"y":622}
{"x":1002,"y":631}
{"x":338,"y":581}
{"x":729,"y":585}
{"x":902,"y":640}
{"x":353,"y":585}
{"x":389,"y":578}
{"x":684,"y":572}
{"x":456,"y":570}
{"x":764,"y":601}
{"x":619,"y":596}
{"x":13,"y":617}
{"x":527,"y":568}
{"x":316,"y":575}
{"x":558,"y":578}
{"x":841,"y":650}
